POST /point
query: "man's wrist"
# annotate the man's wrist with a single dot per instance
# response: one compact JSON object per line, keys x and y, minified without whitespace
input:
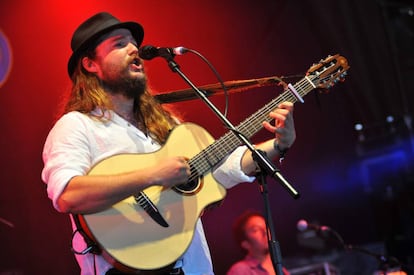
{"x":281,"y":151}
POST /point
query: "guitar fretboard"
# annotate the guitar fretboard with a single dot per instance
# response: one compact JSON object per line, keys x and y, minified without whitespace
{"x":217,"y":151}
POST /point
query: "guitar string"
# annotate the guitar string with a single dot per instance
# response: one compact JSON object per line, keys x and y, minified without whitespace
{"x":199,"y":164}
{"x":301,"y":84}
{"x":244,"y":126}
{"x":285,"y":96}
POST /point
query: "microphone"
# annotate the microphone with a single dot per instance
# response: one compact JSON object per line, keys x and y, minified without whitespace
{"x":149,"y":52}
{"x":303,"y":225}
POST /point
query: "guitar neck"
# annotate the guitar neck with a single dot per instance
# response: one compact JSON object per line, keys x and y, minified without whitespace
{"x":215,"y":152}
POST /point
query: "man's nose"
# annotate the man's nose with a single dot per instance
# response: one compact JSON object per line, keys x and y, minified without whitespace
{"x":132,"y":48}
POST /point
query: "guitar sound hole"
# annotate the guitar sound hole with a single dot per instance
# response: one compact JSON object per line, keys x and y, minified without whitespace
{"x":190,"y":187}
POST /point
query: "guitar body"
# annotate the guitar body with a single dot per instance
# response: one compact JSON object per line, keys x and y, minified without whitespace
{"x":127,"y":234}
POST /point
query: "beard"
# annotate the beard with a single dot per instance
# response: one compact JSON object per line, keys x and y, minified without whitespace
{"x":129,"y":87}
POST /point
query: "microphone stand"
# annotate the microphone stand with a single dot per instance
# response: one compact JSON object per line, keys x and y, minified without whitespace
{"x":266,"y":167}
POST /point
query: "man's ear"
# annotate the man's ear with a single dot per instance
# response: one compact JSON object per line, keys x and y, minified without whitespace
{"x":89,"y":64}
{"x":245,"y":245}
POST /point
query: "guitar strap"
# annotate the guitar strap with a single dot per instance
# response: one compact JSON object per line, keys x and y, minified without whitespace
{"x":91,"y":246}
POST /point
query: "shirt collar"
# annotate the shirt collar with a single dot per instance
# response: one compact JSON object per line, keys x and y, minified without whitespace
{"x":252,"y":262}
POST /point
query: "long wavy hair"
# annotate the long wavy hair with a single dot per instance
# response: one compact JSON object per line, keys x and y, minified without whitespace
{"x":87,"y":94}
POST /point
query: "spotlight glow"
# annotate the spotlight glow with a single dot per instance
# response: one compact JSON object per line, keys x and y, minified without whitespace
{"x":5,"y":58}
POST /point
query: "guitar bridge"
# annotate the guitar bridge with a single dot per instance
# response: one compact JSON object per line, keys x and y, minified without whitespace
{"x":151,"y":209}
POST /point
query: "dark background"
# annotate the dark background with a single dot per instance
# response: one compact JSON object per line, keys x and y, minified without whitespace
{"x":358,"y":183}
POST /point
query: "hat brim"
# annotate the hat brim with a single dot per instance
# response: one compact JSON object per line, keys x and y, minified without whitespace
{"x":136,"y":30}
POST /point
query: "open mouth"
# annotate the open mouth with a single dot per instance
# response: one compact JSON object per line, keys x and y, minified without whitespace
{"x":136,"y":65}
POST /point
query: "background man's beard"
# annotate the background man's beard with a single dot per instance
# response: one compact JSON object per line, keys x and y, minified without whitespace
{"x":131,"y":88}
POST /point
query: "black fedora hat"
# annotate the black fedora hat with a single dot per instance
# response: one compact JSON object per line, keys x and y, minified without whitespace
{"x":89,"y":31}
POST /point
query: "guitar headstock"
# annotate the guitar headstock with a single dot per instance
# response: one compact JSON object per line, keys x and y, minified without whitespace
{"x":328,"y":71}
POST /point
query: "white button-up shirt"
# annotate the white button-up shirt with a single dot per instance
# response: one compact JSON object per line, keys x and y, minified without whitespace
{"x":78,"y":141}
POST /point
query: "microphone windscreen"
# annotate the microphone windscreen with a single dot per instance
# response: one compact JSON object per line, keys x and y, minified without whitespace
{"x":302,"y":225}
{"x":147,"y":52}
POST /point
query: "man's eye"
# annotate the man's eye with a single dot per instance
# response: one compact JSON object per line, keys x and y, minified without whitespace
{"x":120,"y":43}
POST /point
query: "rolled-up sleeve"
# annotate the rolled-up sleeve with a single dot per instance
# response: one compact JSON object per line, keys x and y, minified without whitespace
{"x":229,"y":172}
{"x":65,"y":155}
